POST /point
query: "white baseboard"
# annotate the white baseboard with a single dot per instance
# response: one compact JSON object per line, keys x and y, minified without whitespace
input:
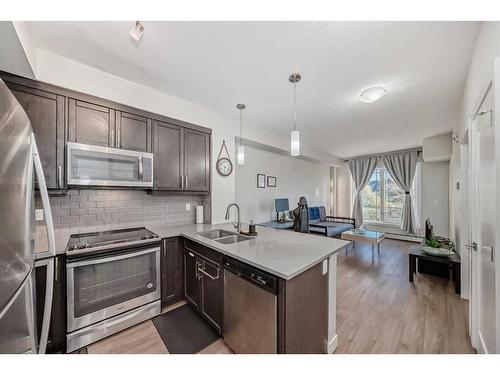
{"x":331,"y":346}
{"x":481,"y":349}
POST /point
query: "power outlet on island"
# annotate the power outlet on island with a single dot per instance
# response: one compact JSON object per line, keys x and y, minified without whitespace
{"x":188,"y":206}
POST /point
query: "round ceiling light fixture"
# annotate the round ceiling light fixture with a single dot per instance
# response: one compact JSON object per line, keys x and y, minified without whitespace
{"x":372,"y":94}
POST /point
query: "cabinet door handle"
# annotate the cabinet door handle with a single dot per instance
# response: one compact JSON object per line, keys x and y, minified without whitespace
{"x":202,"y":270}
{"x":186,"y":181}
{"x":182,"y":182}
{"x":60,"y":182}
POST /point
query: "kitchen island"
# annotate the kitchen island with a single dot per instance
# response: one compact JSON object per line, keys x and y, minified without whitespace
{"x":304,"y":265}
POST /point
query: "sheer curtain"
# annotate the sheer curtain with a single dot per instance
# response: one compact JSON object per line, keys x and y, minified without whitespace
{"x":416,"y":193}
{"x":402,"y":168}
{"x":361,"y":171}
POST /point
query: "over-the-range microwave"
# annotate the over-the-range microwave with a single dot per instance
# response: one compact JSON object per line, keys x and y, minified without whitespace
{"x":89,"y":165}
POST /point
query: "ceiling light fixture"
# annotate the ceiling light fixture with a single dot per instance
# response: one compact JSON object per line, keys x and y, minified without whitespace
{"x":241,"y":148}
{"x":137,"y":31}
{"x":372,"y":94}
{"x":295,"y":135}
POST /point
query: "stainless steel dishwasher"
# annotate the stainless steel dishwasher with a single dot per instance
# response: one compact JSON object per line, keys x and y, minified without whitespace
{"x":250,"y":309}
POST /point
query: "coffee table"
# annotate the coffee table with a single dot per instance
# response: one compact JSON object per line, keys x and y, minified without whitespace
{"x":368,"y":236}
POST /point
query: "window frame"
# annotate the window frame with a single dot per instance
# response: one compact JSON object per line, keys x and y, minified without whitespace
{"x":381,"y":213}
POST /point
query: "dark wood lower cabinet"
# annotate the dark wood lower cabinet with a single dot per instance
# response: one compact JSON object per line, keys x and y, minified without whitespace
{"x":57,"y":332}
{"x":303,"y":313}
{"x":204,"y":282}
{"x":212,"y":293}
{"x":192,"y":287}
{"x":172,"y":271}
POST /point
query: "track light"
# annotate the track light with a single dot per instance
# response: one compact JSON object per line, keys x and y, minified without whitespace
{"x":137,"y":31}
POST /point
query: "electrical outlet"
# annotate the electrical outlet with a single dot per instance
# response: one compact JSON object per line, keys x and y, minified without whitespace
{"x":325,"y":267}
{"x":39,"y":214}
{"x":188,"y":206}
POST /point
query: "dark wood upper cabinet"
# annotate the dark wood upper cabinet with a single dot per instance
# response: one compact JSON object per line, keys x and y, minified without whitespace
{"x":181,"y":158}
{"x":46,"y":113}
{"x":172,"y":271}
{"x":196,"y":160}
{"x":133,"y":132}
{"x":168,"y":153}
{"x":91,"y":124}
{"x":181,"y":150}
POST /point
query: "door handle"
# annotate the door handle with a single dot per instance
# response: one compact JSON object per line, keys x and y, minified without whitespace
{"x":186,"y":177}
{"x":59,"y":177}
{"x":472,"y":246}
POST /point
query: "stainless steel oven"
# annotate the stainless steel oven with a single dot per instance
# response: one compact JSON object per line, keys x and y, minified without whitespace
{"x":89,"y":165}
{"x":111,"y":291}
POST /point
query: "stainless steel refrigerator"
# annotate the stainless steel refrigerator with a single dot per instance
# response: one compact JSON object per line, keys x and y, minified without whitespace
{"x":19,"y":166}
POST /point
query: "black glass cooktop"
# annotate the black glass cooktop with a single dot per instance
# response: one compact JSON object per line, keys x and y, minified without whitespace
{"x":98,"y":239}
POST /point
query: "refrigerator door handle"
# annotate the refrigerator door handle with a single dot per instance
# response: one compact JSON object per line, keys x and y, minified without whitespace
{"x":49,"y":285}
{"x":45,"y":197}
{"x":47,"y":307}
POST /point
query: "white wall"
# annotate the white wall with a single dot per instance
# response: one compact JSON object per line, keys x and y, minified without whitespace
{"x":343,"y":194}
{"x":435,"y":196}
{"x":12,"y":56}
{"x":295,"y":178}
{"x":480,"y":74}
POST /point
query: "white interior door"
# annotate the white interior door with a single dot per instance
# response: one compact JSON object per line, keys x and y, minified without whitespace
{"x":465,"y":229}
{"x":482,"y":187}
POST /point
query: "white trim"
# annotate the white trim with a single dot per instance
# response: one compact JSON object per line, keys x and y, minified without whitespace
{"x":331,"y":345}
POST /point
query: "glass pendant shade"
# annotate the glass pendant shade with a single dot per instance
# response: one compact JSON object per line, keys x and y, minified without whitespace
{"x":295,"y":143}
{"x":241,"y":155}
{"x":241,"y":149}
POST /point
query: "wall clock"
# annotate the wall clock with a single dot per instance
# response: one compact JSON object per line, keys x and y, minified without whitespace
{"x":224,"y":165}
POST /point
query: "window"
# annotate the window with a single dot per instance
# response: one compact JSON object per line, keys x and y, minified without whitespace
{"x":382,"y":199}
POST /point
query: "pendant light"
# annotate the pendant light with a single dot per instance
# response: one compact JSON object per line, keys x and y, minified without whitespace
{"x":295,"y":135}
{"x":241,"y":148}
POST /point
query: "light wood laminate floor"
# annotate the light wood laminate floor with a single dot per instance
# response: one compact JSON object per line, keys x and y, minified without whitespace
{"x":378,"y":310}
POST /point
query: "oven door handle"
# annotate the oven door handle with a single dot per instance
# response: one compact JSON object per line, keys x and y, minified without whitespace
{"x":106,"y":259}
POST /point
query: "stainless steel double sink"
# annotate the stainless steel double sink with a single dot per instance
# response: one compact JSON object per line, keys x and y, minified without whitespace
{"x":224,"y":236}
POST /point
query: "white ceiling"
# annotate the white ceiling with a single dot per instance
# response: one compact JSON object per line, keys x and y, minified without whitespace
{"x":423,"y":65}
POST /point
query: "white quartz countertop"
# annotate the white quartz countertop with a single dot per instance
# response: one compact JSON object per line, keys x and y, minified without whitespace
{"x":283,"y":253}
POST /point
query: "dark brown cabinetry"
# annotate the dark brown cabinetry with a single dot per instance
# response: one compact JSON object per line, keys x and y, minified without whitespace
{"x":182,"y":158}
{"x":172,"y":271}
{"x":90,"y":123}
{"x":133,"y":132}
{"x":192,"y":287}
{"x":46,"y":113}
{"x":181,"y":150}
{"x":168,"y":150}
{"x":204,"y":284}
{"x":57,"y":331}
{"x":196,"y":160}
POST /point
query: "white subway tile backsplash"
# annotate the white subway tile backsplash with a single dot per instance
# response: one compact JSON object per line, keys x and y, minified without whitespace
{"x":91,"y":207}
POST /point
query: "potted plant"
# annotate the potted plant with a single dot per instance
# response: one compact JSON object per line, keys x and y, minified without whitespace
{"x":434,"y":247}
